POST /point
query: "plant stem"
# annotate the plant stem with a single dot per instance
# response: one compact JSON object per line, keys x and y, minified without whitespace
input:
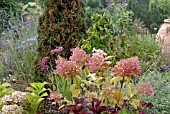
{"x":122,"y":82}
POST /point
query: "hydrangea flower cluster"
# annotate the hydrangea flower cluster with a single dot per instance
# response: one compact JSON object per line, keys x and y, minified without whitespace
{"x":144,"y":89}
{"x":16,"y":97}
{"x":43,"y":64}
{"x":80,"y":57}
{"x":97,"y":62}
{"x":69,"y":68}
{"x":55,"y":97}
{"x":66,"y":68}
{"x":57,"y":50}
{"x":127,"y":67}
{"x":12,"y":109}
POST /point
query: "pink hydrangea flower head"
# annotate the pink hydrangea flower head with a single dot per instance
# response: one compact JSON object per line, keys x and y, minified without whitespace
{"x":144,"y":89}
{"x":67,"y":68}
{"x":43,"y":64}
{"x":79,"y":56}
{"x":57,"y":50}
{"x":127,"y":67}
{"x":97,"y":62}
{"x":60,"y":60}
{"x":55,"y":97}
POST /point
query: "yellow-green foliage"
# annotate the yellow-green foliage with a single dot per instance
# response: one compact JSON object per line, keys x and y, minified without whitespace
{"x":100,"y":34}
{"x":108,"y":33}
{"x":38,"y":91}
{"x":5,"y":90}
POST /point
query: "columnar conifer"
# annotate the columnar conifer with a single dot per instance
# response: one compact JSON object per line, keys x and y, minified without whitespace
{"x":62,"y":24}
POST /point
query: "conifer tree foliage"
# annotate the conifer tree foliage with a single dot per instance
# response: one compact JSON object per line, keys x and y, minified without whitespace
{"x":62,"y":24}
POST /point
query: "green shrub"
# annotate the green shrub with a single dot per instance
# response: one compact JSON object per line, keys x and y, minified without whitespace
{"x":93,"y":6}
{"x":6,"y":8}
{"x":38,"y":92}
{"x":159,"y":10}
{"x":25,"y":1}
{"x":94,"y":3}
{"x":100,"y":35}
{"x":152,"y":12}
{"x":104,"y":3}
{"x":140,"y":10}
{"x":5,"y":90}
{"x":109,"y":33}
{"x":62,"y":24}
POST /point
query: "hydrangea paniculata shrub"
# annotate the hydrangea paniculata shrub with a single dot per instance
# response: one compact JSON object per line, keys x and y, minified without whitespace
{"x":127,"y":67}
{"x":80,"y":57}
{"x":78,"y":60}
{"x":93,"y":78}
{"x":67,"y":68}
{"x":97,"y":62}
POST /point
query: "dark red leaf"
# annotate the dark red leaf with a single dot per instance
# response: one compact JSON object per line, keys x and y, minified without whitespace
{"x":80,"y":101}
{"x":70,"y":107}
{"x":91,"y":108}
{"x":86,"y":111}
{"x":95,"y":103}
{"x":103,"y":108}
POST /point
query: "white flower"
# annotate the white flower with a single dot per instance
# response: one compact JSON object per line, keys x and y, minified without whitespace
{"x":94,"y":50}
{"x":89,"y":82}
{"x":16,"y":97}
{"x":99,"y":51}
{"x":155,"y":28}
{"x":7,"y":98}
{"x":93,"y":76}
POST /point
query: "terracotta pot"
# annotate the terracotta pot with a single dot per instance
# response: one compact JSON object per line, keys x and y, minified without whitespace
{"x":163,"y":39}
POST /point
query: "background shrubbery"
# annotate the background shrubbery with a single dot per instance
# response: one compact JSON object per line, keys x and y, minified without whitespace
{"x":152,"y":12}
{"x":7,"y":7}
{"x":93,"y":6}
